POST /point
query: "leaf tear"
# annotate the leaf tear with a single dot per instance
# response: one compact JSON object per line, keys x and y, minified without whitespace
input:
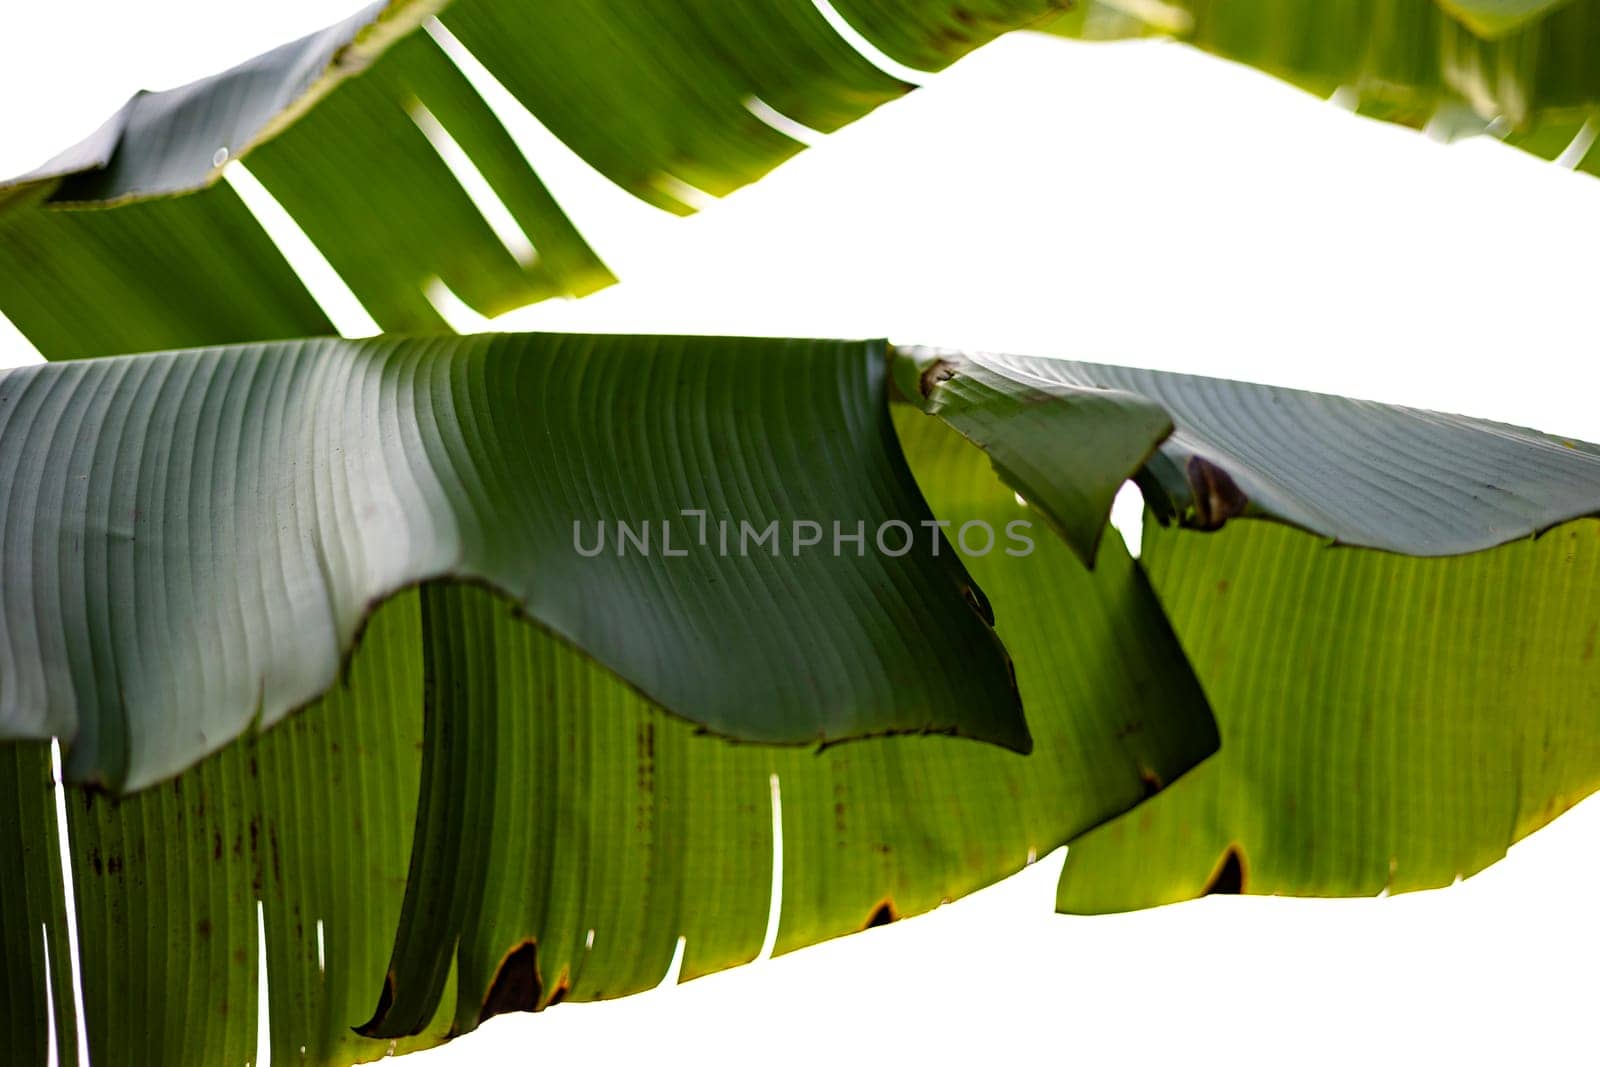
{"x":882,"y":915}
{"x":1228,"y":879}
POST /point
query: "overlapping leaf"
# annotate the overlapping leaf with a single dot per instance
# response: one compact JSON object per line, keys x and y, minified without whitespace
{"x":192,"y":539}
{"x":571,"y":832}
{"x":1422,"y":483}
{"x":1062,"y":444}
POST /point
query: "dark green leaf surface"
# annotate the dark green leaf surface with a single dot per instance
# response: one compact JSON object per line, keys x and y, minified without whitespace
{"x":1389,"y":723}
{"x":400,"y":218}
{"x":654,"y":95}
{"x":1356,"y":472}
{"x":99,"y":283}
{"x":570,"y":832}
{"x":556,"y":802}
{"x":192,"y":539}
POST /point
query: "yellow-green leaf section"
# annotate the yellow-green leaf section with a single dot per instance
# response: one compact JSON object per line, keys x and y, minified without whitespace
{"x":1389,"y":723}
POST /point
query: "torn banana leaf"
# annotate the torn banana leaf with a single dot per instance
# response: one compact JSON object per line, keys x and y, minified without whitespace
{"x":313,"y":819}
{"x":1423,"y":483}
{"x":570,"y":832}
{"x":36,"y":995}
{"x":346,"y":127}
{"x":1390,"y":723}
{"x":192,"y":539}
{"x":343,"y":129}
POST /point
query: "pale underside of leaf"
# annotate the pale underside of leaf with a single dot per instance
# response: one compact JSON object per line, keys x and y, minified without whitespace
{"x":1065,"y":447}
{"x":193,"y":539}
{"x":1355,"y":472}
{"x":175,"y":141}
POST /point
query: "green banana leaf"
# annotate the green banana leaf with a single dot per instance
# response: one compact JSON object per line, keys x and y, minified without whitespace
{"x":476,"y":817}
{"x":194,"y":538}
{"x":1516,"y":69}
{"x":569,"y":832}
{"x":522,"y":733}
{"x":315,"y":817}
{"x":1389,"y":724}
{"x":35,"y":955}
{"x":664,"y":99}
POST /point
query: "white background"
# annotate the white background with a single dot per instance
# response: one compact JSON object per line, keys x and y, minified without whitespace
{"x":1134,"y":203}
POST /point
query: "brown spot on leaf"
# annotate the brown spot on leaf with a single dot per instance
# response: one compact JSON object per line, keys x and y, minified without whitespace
{"x":1228,"y":878}
{"x":517,"y":985}
{"x":1151,"y":780}
{"x":203,"y":928}
{"x":1217,"y":497}
{"x":933,"y":374}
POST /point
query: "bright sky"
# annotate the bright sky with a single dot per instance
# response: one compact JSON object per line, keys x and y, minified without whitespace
{"x":1131,"y":203}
